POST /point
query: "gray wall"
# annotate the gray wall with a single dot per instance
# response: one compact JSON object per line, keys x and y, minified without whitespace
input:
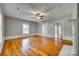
{"x":66,"y":28}
{"x":50,"y":28}
{"x":13,"y":26}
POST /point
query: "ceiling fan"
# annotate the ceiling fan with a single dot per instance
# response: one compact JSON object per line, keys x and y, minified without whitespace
{"x":37,"y":13}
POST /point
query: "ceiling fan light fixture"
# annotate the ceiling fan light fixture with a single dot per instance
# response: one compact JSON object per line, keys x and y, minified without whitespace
{"x":41,"y":18}
{"x":37,"y":18}
{"x":39,"y":15}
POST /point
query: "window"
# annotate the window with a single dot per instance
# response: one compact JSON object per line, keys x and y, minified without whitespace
{"x":25,"y":28}
{"x":57,"y":31}
{"x":44,"y":28}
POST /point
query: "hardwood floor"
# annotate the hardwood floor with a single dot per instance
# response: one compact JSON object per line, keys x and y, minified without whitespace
{"x":32,"y":46}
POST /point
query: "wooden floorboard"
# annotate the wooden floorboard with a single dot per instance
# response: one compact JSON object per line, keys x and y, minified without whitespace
{"x":32,"y":46}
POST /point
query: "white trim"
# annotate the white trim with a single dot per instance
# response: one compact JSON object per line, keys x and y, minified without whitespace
{"x":46,"y":35}
{"x":68,"y":38}
{"x":17,"y":36}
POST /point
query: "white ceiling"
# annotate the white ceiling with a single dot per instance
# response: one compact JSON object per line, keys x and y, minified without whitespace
{"x":25,"y":12}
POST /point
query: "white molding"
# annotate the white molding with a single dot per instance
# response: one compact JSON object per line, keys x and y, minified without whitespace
{"x":46,"y":35}
{"x":17,"y":36}
{"x":68,"y":38}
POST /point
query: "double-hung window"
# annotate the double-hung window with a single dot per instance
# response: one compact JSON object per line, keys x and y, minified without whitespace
{"x":45,"y":28}
{"x":25,"y":28}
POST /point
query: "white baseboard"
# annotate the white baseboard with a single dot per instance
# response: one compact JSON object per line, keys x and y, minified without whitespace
{"x":46,"y":35}
{"x":17,"y":36}
{"x":14,"y":37}
{"x":68,"y":38}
